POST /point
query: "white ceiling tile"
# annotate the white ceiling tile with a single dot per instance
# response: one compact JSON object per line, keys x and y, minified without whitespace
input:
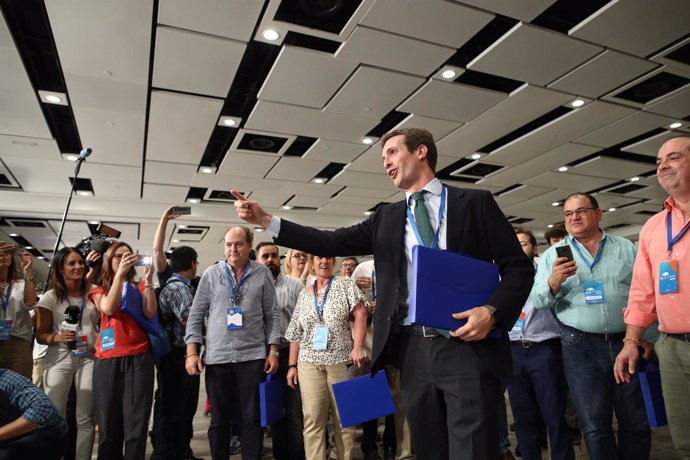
{"x":247,"y":164}
{"x":95,"y":171}
{"x":158,"y":172}
{"x":357,"y":99}
{"x":309,"y":201}
{"x":344,"y":208}
{"x":436,"y":126}
{"x":623,"y":129}
{"x":115,"y":137}
{"x":195,"y":63}
{"x":611,"y":168}
{"x":451,"y":101}
{"x":528,"y":53}
{"x":106,"y":93}
{"x":365,"y":201}
{"x":180,"y":126}
{"x":568,"y":182}
{"x":603,"y":74}
{"x":651,"y":145}
{"x":334,"y":151}
{"x":235,"y":19}
{"x":674,"y":106}
{"x":363,"y":179}
{"x":619,"y":24}
{"x":307,"y":189}
{"x":612,"y":200}
{"x":297,"y":169}
{"x":40,"y":175}
{"x":394,"y":52}
{"x":433,"y":21}
{"x":525,"y":10}
{"x":305,"y":77}
{"x":26,"y":147}
{"x":165,"y":193}
{"x":522,"y":106}
{"x":283,"y":118}
{"x":103,"y":188}
{"x":370,"y":161}
{"x":379,"y":194}
{"x":520,"y":195}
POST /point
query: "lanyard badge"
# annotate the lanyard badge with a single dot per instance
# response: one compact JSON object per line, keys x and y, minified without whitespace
{"x":234,"y":312}
{"x":668,"y":270}
{"x":593,"y":288}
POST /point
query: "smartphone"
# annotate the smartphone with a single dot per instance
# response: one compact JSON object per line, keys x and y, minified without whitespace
{"x":110,"y":231}
{"x":143,"y":261}
{"x":182,"y":210}
{"x":564,"y":251}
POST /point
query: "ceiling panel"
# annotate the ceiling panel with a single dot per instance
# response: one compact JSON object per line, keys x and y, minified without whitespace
{"x":46,"y":149}
{"x":651,"y":145}
{"x":363,"y":179}
{"x":116,"y":189}
{"x":165,"y":193}
{"x":531,"y":54}
{"x":603,"y":74}
{"x":677,"y":105}
{"x":308,"y":189}
{"x":568,"y":182}
{"x":158,"y":172}
{"x":380,"y":194}
{"x":180,"y":126}
{"x":334,"y":151}
{"x":195,"y":63}
{"x":344,"y":208}
{"x":436,"y":126}
{"x":393,"y":52}
{"x":623,"y":129}
{"x":354,"y":98}
{"x":297,"y":169}
{"x":305,"y":77}
{"x":247,"y":164}
{"x":619,"y":24}
{"x":611,"y":168}
{"x":434,"y":21}
{"x":235,"y":19}
{"x":521,"y":194}
{"x":309,"y":201}
{"x":451,"y":101}
{"x":525,"y":10}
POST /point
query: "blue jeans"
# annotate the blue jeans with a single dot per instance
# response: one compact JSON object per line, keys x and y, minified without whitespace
{"x":588,"y":364}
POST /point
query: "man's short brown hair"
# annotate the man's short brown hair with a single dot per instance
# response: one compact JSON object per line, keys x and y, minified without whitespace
{"x":557,"y":231}
{"x":530,"y":235}
{"x":414,"y":137}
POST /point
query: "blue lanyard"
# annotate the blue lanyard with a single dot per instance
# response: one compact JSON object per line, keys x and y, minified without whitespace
{"x":410,"y":217}
{"x":373,"y":285}
{"x":672,"y":240}
{"x":596,"y":258}
{"x":233,"y":288}
{"x":319,"y":308}
{"x":6,"y":300}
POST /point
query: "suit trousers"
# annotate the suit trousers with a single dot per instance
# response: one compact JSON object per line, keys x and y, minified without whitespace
{"x":450,"y":399}
{"x":287,"y":433}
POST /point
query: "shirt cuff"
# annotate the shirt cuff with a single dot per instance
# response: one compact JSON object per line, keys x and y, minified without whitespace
{"x":638,"y":318}
{"x":274,"y":227}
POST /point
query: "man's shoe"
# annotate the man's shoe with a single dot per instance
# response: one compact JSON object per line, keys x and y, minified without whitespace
{"x":507,"y":455}
{"x":389,"y":453}
{"x":235,"y":445}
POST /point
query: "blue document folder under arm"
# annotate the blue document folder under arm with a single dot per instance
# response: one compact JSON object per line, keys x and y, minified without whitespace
{"x":363,"y":398}
{"x":445,"y":282}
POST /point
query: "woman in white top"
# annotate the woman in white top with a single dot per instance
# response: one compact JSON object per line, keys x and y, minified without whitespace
{"x":17,"y":296}
{"x":68,"y":323}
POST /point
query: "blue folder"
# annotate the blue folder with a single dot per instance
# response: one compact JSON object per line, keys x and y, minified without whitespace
{"x":363,"y":398}
{"x":445,"y":282}
{"x":271,"y":400}
{"x":650,"y":384}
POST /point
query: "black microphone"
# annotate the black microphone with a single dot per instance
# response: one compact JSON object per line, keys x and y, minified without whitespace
{"x":85,"y":152}
{"x":72,"y":314}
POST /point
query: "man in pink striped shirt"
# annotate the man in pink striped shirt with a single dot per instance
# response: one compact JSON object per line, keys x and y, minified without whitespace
{"x":660,"y":291}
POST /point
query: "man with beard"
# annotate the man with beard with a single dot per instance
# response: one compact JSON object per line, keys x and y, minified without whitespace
{"x":288,"y":442}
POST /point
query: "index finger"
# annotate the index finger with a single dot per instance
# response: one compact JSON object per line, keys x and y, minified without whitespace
{"x":238,"y":195}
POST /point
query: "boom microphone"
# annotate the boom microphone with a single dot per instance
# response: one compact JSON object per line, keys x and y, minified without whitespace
{"x":85,"y":152}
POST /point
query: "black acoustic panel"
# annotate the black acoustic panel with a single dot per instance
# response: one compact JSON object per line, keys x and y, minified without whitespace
{"x":326,"y":15}
{"x":311,"y":42}
{"x":482,"y":40}
{"x":331,"y":170}
{"x":3,"y":222}
{"x":446,"y":173}
{"x":304,"y":208}
{"x":81,"y":184}
{"x":196,"y":193}
{"x":526,"y":128}
{"x":481,"y":170}
{"x":520,"y":220}
{"x":261,"y":143}
{"x":630,"y":187}
{"x":221,"y":195}
{"x":488,"y":81}
{"x":190,"y":231}
{"x":29,"y":223}
{"x":682,"y":54}
{"x":563,"y":15}
{"x":299,"y":146}
{"x":391,"y":119}
{"x":507,"y":189}
{"x":467,"y":179}
{"x":646,"y":213}
{"x":5,"y":181}
{"x":653,"y":87}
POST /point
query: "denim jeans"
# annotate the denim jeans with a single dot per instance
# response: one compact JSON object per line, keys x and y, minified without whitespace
{"x":588,"y":364}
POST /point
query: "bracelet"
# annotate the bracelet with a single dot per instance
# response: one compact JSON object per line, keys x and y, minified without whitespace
{"x":29,"y":278}
{"x":148,"y":286}
{"x":274,"y":353}
{"x":190,"y":355}
{"x":631,"y":339}
{"x":292,"y":365}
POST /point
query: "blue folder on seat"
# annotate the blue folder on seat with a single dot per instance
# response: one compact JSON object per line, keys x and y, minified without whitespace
{"x":363,"y":398}
{"x":271,"y":400}
{"x":445,"y":282}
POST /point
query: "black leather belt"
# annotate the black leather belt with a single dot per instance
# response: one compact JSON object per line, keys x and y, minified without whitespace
{"x":681,"y":337}
{"x":607,"y":336}
{"x":424,"y":331}
{"x":530,"y":344}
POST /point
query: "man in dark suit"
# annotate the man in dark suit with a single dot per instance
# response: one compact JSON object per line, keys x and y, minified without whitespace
{"x":450,"y":386}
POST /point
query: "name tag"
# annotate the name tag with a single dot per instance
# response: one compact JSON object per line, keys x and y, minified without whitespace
{"x":107,"y":339}
{"x":81,"y":347}
{"x":594,"y":292}
{"x":519,"y":324}
{"x":235,"y":318}
{"x":320,"y":338}
{"x":668,"y":277}
{"x":6,"y":329}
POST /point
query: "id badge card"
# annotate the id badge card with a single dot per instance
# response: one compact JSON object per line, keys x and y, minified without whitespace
{"x":5,"y":329}
{"x":81,"y":346}
{"x":107,"y":339}
{"x":594,"y":292}
{"x":234,"y":318}
{"x":519,"y":324}
{"x":320,"y":338}
{"x":668,"y":277}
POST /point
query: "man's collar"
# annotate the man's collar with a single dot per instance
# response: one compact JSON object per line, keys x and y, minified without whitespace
{"x":670,"y":203}
{"x":434,"y":187}
{"x":570,"y":238}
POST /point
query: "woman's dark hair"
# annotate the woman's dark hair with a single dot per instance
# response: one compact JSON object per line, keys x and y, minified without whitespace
{"x":12,"y":270}
{"x":107,"y":273}
{"x":57,"y":274}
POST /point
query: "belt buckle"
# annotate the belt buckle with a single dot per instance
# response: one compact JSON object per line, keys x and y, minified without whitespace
{"x":432,"y":332}
{"x":526,"y":344}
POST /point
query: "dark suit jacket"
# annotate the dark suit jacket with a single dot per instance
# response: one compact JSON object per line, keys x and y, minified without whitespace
{"x":476,"y":227}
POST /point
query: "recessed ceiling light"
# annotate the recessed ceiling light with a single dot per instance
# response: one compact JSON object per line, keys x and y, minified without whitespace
{"x":207,"y":170}
{"x":28,"y":247}
{"x":448,"y":74}
{"x":634,"y":179}
{"x":182,"y":226}
{"x":93,"y":222}
{"x":368,"y":213}
{"x":14,"y":234}
{"x":319,"y":180}
{"x":563,"y":169}
{"x":258,"y":229}
{"x":476,"y":156}
{"x":227,"y":121}
{"x":367,"y":141}
{"x":84,"y":193}
{"x":577,"y":103}
{"x":675,"y":125}
{"x":175,"y":241}
{"x":555,"y":203}
{"x":550,"y":226}
{"x":41,"y":257}
{"x":612,"y":209}
{"x":194,"y":200}
{"x":72,"y":157}
{"x":286,"y":207}
{"x":271,"y":35}
{"x":52,"y":98}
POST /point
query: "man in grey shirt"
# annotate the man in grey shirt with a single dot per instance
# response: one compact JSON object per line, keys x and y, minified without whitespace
{"x":239,"y":297}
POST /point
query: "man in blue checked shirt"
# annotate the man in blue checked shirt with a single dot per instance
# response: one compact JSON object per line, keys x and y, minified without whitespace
{"x":588,"y":290}
{"x":30,"y":425}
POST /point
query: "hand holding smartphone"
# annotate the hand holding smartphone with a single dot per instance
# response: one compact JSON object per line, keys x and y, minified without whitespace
{"x":182,"y":210}
{"x":565,"y":251}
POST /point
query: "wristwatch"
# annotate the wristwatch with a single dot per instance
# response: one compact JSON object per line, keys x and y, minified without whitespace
{"x":274,"y":353}
{"x":493,"y":311}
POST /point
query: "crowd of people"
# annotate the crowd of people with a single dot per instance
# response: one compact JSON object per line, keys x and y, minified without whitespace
{"x":577,"y":323}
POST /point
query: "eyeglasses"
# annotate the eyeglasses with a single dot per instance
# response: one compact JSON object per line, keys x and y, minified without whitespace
{"x":577,"y":212}
{"x":299,"y":256}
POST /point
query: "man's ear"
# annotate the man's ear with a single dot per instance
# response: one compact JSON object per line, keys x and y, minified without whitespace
{"x":422,"y":151}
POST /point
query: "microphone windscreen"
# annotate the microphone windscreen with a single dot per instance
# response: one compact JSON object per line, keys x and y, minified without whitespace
{"x":72,"y":314}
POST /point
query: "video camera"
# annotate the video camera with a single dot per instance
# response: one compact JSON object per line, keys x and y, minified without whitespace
{"x":99,"y":242}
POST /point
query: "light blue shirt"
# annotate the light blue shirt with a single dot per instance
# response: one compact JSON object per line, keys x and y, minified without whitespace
{"x":614,"y":270}
{"x":538,"y":326}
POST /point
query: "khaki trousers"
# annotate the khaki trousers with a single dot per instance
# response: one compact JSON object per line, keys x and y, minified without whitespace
{"x":674,"y":365}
